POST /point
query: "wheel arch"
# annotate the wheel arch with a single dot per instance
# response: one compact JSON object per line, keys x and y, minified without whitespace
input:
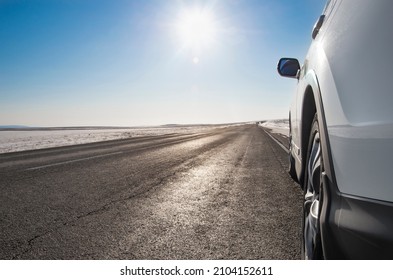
{"x":311,"y":104}
{"x":307,"y":116}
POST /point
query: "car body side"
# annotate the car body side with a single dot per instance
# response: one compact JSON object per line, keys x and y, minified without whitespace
{"x":345,"y":79}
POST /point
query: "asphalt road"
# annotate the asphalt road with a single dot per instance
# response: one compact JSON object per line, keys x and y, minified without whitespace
{"x":223,"y":194}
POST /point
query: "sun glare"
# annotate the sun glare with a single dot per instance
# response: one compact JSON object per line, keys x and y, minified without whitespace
{"x":196,"y":29}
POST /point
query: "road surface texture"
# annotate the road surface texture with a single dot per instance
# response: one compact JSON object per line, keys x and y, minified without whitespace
{"x":222,"y":194}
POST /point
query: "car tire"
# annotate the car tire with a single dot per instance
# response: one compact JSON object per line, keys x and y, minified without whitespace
{"x":312,"y":186}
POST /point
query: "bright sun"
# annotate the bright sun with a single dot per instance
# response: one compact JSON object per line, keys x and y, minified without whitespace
{"x":196,"y":30}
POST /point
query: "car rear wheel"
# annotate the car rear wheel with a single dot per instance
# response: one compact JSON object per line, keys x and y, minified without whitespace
{"x":312,"y":247}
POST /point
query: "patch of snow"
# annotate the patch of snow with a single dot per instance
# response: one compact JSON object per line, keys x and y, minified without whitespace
{"x":277,"y":126}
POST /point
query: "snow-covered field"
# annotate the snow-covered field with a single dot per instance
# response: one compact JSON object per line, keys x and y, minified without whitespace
{"x":32,"y":139}
{"x":277,"y":126}
{"x":22,"y":140}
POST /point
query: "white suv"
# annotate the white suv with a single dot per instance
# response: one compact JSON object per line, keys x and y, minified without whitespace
{"x":341,"y":132}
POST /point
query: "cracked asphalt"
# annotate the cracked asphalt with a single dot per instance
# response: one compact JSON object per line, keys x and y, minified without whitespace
{"x":222,"y":194}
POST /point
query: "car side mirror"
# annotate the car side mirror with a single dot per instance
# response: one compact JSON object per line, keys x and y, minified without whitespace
{"x":288,"y":67}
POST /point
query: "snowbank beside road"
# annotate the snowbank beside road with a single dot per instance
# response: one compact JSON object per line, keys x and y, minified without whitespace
{"x":277,"y":126}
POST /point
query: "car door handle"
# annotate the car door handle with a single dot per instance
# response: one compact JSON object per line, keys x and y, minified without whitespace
{"x":318,"y":26}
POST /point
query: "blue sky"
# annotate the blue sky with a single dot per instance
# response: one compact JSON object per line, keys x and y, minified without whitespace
{"x":125,"y":63}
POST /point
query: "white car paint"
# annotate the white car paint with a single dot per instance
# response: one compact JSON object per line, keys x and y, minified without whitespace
{"x":351,"y":60}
